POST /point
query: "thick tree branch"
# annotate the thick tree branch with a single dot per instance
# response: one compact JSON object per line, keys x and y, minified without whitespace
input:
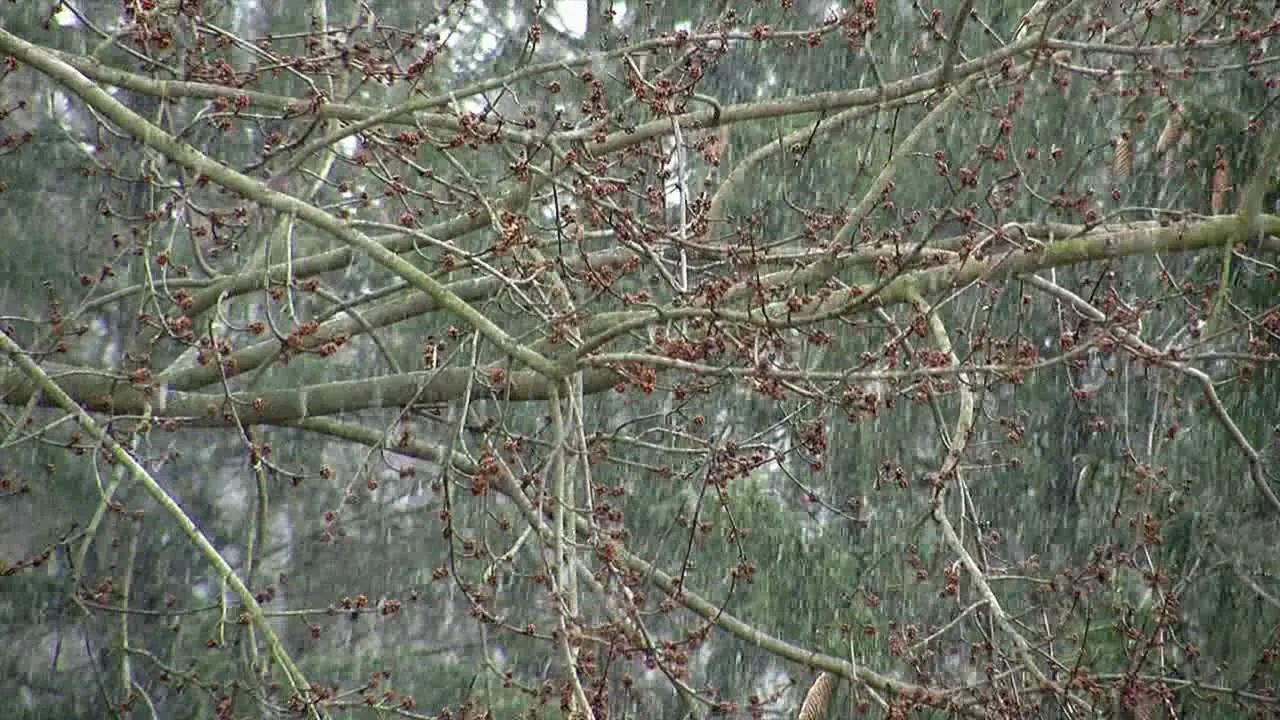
{"x":102,"y":392}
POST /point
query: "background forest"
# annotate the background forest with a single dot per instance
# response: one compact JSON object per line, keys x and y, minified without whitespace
{"x":664,"y":359}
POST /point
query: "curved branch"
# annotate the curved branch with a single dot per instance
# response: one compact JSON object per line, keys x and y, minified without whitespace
{"x":57,"y":397}
{"x":1140,"y":348}
{"x":718,"y":616}
{"x":259,"y":192}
